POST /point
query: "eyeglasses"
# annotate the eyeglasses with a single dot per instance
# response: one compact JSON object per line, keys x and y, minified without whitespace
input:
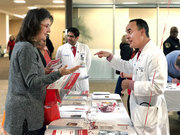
{"x":46,"y":26}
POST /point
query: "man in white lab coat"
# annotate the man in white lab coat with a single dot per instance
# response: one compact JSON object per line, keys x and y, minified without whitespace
{"x":75,"y":53}
{"x":149,"y":68}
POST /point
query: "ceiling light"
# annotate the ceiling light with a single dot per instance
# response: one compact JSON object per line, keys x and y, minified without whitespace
{"x":32,"y":7}
{"x":175,"y":2}
{"x":19,"y":16}
{"x":129,"y":3}
{"x":19,"y":1}
{"x":58,"y":1}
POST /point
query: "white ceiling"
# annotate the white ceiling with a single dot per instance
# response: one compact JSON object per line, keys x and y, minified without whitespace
{"x":11,"y":8}
{"x":122,"y":1}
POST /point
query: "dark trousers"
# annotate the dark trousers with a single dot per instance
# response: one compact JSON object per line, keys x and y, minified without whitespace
{"x":118,"y":88}
{"x":10,"y":52}
{"x":35,"y":132}
{"x":178,"y":113}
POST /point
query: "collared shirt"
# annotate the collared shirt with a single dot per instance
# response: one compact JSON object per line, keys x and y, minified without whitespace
{"x":171,"y":59}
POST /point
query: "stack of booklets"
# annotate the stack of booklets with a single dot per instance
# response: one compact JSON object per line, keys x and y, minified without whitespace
{"x":105,"y":96}
{"x":106,"y":132}
{"x":73,"y":111}
{"x":73,"y":102}
{"x":80,"y":93}
{"x":67,"y":124}
{"x":75,"y":97}
{"x":74,"y":106}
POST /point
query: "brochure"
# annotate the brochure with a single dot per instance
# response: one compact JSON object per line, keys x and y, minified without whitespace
{"x":65,"y":82}
{"x":75,"y":97}
{"x":106,"y":132}
{"x":73,"y":108}
{"x":67,"y":124}
{"x":101,"y":93}
{"x":72,"y":102}
{"x":73,"y":115}
{"x":55,"y":64}
{"x":106,"y":97}
{"x":80,"y":93}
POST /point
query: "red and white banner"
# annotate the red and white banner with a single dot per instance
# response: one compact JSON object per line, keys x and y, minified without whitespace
{"x":66,"y":82}
{"x":71,"y":81}
{"x":70,"y":132}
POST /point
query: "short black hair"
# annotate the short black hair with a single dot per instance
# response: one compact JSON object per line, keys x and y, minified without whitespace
{"x":31,"y":24}
{"x":75,"y":31}
{"x":141,"y":24}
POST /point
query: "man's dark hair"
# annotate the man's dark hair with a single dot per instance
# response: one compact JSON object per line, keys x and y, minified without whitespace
{"x":177,"y":63}
{"x":141,"y":24}
{"x":75,"y":31}
{"x":31,"y":24}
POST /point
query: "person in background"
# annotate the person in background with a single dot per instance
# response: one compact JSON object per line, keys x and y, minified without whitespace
{"x":172,"y":42}
{"x":50,"y":46}
{"x":173,"y":60}
{"x":125,"y":53}
{"x":149,"y":71}
{"x":10,"y":45}
{"x":73,"y":53}
{"x":129,"y":76}
{"x":27,"y":83}
{"x":43,"y":52}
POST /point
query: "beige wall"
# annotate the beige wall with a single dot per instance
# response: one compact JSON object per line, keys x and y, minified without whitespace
{"x":149,"y":15}
{"x":3,"y":30}
{"x":100,"y":25}
{"x":99,"y":21}
{"x":167,"y":19}
{"x":56,"y":29}
{"x":14,"y":26}
{"x":121,"y":21}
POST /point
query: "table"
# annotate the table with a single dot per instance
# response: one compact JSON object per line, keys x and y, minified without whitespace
{"x":172,"y":96}
{"x":93,"y":120}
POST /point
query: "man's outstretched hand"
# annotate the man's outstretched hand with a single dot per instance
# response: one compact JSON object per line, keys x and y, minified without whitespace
{"x":101,"y":54}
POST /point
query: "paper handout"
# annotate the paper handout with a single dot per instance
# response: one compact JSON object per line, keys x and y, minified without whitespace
{"x":54,"y":64}
{"x":66,"y":82}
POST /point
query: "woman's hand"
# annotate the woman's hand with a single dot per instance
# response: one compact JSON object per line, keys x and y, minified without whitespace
{"x":64,"y":71}
{"x":47,"y":70}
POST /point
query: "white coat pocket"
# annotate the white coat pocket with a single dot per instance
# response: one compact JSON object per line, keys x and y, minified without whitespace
{"x":142,"y":116}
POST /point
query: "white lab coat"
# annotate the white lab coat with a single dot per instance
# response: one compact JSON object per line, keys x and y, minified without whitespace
{"x":150,"y":64}
{"x":65,"y":53}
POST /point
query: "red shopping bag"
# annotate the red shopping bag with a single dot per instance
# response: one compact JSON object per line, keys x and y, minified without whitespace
{"x":51,"y":113}
{"x":52,"y":96}
{"x":51,"y":109}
